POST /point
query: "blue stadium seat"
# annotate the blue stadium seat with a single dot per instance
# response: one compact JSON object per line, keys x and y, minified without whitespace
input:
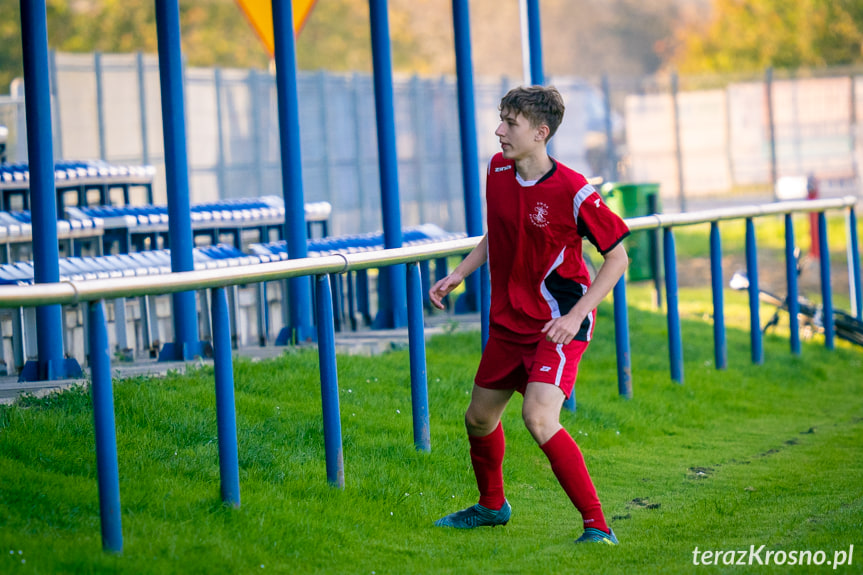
{"x":77,"y":178}
{"x":129,"y":228}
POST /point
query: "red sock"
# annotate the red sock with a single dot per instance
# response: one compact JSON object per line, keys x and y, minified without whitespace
{"x":486,"y":455}
{"x":570,"y":470}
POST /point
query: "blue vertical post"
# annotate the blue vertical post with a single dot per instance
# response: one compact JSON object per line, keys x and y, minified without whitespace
{"x":675,"y":341}
{"x":329,"y":382}
{"x":417,"y":344}
{"x":226,"y":414}
{"x":393,"y":308}
{"x":826,"y":287}
{"x":535,"y":39}
{"x":791,"y":281}
{"x":720,"y":346}
{"x":854,"y":264}
{"x":106,"y":435}
{"x":468,"y":140}
{"x":43,"y":198}
{"x":754,"y":304}
{"x":186,"y":344}
{"x":300,"y":288}
{"x":621,"y":339}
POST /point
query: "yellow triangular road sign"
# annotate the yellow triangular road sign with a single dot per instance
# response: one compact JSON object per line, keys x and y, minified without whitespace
{"x":260,"y":14}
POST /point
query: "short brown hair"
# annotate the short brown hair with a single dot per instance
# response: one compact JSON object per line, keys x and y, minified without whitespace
{"x":538,"y":104}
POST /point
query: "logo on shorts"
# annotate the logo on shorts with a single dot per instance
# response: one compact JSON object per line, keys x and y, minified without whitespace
{"x":539,"y":216}
{"x":545,"y":368}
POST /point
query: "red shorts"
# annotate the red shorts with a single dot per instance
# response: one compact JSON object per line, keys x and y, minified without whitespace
{"x":509,"y":365}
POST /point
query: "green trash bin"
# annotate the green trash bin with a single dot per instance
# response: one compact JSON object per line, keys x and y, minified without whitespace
{"x":628,"y":201}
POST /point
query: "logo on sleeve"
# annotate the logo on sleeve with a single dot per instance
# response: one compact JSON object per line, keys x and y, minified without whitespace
{"x":539,"y":215}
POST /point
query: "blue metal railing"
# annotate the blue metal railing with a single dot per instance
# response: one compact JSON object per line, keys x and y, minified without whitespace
{"x":94,"y":291}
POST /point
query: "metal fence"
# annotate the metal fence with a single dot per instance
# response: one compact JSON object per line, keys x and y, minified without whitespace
{"x":709,"y":136}
{"x":698,"y":137}
{"x":107,"y":106}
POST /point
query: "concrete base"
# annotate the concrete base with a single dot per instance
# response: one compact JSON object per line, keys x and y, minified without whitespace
{"x":292,"y":335}
{"x":185,"y":351}
{"x":50,"y":370}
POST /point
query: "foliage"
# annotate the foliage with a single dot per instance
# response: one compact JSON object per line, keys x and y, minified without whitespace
{"x":750,"y":35}
{"x":615,"y":36}
{"x":11,"y":64}
{"x":214,"y":32}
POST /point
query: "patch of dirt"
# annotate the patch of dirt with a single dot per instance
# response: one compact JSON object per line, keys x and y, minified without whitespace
{"x":700,"y":472}
{"x":642,"y":503}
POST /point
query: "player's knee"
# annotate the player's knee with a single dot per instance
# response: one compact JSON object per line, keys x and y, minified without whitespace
{"x":535,"y":422}
{"x":539,"y":422}
{"x":478,"y":423}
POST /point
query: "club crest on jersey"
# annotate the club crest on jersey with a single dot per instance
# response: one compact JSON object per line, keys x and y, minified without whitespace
{"x":539,"y":215}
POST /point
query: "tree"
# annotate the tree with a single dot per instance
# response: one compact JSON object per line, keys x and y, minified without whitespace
{"x":214,"y":32}
{"x":337,"y":36}
{"x":749,"y":35}
{"x":11,"y":64}
{"x":584,"y":37}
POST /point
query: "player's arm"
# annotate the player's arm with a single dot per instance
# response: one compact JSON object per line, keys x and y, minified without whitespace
{"x":468,"y":265}
{"x":562,"y":329}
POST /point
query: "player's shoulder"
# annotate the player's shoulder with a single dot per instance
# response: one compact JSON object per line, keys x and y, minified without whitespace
{"x":577,"y":178}
{"x":576,"y":182}
{"x":499,"y":164}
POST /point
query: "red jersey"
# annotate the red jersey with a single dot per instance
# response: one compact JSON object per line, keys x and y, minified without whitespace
{"x":535,"y":232}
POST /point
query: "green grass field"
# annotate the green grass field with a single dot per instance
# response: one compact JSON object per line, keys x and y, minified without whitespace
{"x":755,"y":455}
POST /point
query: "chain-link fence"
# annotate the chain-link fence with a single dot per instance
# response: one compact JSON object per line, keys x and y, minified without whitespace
{"x":736,"y":137}
{"x":699,"y":138}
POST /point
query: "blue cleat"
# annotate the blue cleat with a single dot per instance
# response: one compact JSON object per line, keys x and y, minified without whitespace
{"x":592,"y":535}
{"x":476,"y":516}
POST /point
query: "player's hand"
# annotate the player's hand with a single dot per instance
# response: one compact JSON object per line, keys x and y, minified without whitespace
{"x":440,"y":289}
{"x":563,"y":329}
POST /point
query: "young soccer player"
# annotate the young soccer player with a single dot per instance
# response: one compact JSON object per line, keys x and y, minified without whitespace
{"x":543,"y":305}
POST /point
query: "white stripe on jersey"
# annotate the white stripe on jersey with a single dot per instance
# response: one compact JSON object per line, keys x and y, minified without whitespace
{"x":582,"y":195}
{"x":552,"y":303}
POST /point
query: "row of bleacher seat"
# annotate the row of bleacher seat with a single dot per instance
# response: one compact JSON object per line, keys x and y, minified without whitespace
{"x":140,"y":228}
{"x":414,"y":236}
{"x":122,"y":240}
{"x":154,"y":262}
{"x":78,"y":183}
{"x":137,"y":228}
{"x":253,"y":301}
{"x":15,"y":175}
